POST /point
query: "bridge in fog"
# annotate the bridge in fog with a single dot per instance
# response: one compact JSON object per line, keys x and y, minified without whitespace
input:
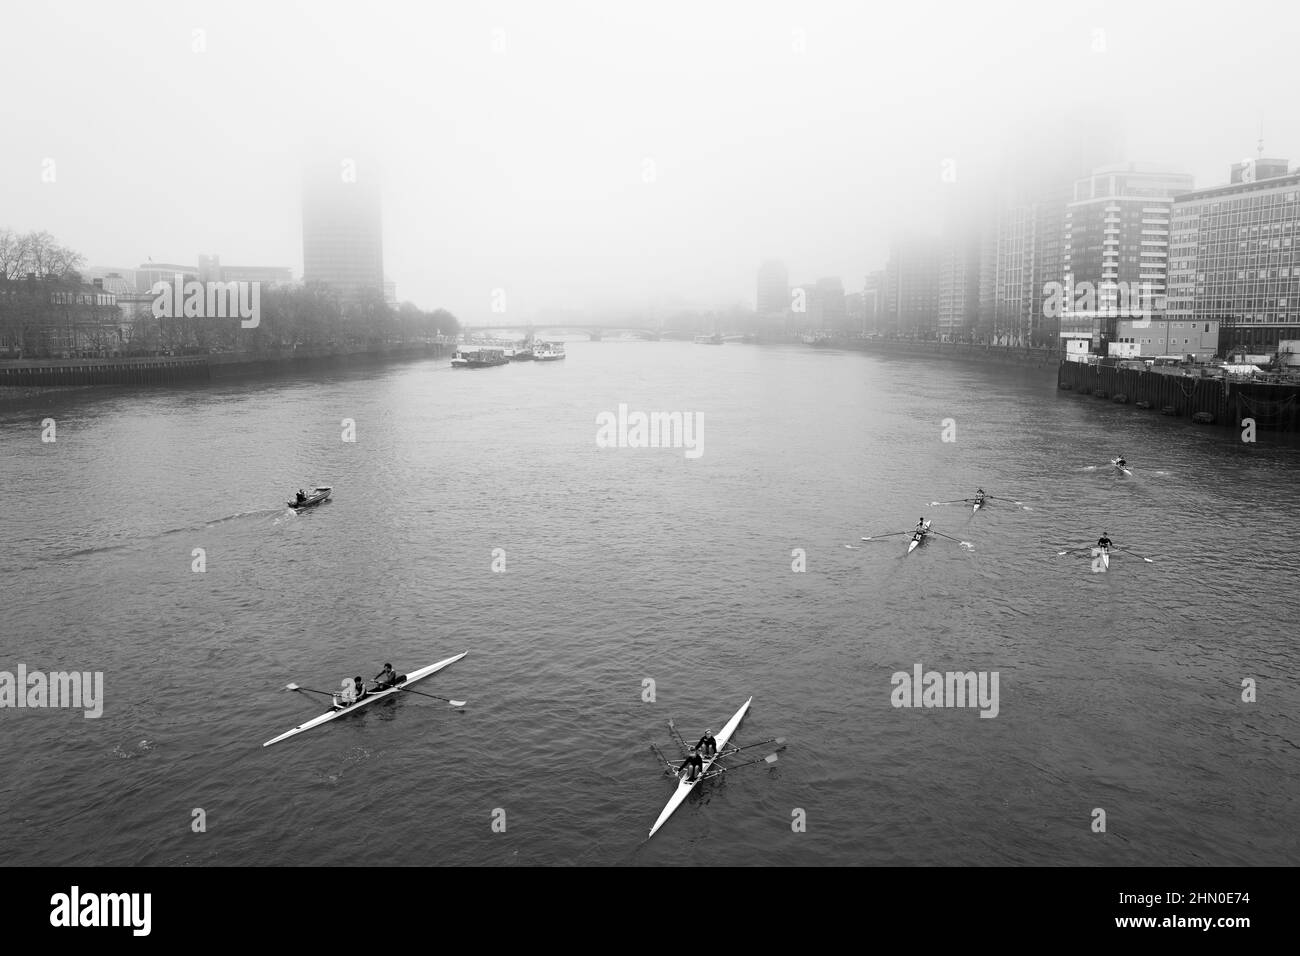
{"x":593,"y":332}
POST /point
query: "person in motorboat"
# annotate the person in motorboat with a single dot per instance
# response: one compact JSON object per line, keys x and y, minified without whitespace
{"x":386,"y":677}
{"x":691,"y":766}
{"x":708,"y":744}
{"x":1104,"y":541}
{"x":301,"y":497}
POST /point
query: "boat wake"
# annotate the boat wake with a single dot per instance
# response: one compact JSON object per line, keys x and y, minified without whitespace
{"x":138,"y":540}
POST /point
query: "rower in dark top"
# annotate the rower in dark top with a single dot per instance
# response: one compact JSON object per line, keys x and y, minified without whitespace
{"x":301,"y":497}
{"x":691,"y":766}
{"x":353,"y":691}
{"x":920,"y":525}
{"x":1104,"y":541}
{"x":979,"y":493}
{"x":386,"y":677}
{"x":1120,"y":462}
{"x":707,"y":744}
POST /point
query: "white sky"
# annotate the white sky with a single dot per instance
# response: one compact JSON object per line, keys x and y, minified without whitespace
{"x":523,"y":169}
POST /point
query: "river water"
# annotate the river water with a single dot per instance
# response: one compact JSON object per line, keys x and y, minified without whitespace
{"x":632,"y":573}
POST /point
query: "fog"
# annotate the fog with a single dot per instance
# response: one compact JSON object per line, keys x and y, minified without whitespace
{"x":597,"y":156}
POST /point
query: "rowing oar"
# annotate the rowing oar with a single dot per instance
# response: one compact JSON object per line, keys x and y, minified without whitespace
{"x":770,"y":758}
{"x":955,"y":501}
{"x":948,"y":536}
{"x":1136,"y":555}
{"x":873,"y":537}
{"x":296,"y":687}
{"x":677,"y":737}
{"x":779,"y":741}
{"x":454,"y":703}
{"x":669,"y":770}
{"x":1075,"y":550}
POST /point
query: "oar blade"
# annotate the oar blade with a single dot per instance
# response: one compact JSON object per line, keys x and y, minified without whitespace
{"x":290,"y":686}
{"x":458,"y":703}
{"x":770,"y":758}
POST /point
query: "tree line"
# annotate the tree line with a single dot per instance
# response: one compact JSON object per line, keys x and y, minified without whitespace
{"x":43,"y":314}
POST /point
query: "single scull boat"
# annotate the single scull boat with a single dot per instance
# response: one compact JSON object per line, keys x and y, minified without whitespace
{"x":916,"y":538}
{"x":411,"y":678}
{"x":684,"y":787}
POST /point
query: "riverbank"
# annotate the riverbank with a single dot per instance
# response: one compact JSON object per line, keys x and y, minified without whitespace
{"x":1026,"y":357}
{"x":25,"y":379}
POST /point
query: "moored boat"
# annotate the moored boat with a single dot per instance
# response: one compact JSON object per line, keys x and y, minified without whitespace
{"x":478,"y":358}
{"x":548,"y":351}
{"x":684,"y":787}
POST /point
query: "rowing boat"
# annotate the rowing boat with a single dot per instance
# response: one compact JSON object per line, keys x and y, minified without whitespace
{"x":976,"y":506}
{"x":1120,"y":468}
{"x":1104,"y":554}
{"x":411,"y":678}
{"x":916,"y":538}
{"x":684,"y":787}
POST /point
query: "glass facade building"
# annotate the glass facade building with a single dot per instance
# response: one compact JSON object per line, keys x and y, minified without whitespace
{"x":1235,"y":259}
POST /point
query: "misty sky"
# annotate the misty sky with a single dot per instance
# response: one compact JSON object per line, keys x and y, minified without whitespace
{"x":523,"y":167}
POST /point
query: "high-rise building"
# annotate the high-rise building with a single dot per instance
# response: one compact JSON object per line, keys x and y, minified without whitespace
{"x":1027,"y":244}
{"x":959,"y":287}
{"x":1235,"y":257}
{"x":873,"y":300}
{"x":773,"y":288}
{"x":1117,"y":242}
{"x":342,"y":229}
{"x":912,"y":289}
{"x":834,"y":310}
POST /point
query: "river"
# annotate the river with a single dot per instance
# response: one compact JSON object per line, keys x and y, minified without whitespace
{"x":636,"y":573}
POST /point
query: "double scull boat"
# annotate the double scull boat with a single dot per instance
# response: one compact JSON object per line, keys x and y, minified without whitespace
{"x":684,"y":787}
{"x":411,"y":678}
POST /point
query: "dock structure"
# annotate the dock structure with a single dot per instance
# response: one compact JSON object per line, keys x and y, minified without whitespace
{"x":1205,"y":399}
{"x":133,"y":371}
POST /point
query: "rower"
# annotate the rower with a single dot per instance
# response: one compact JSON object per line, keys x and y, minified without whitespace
{"x":386,"y":677}
{"x":353,"y":691}
{"x":347,"y":696}
{"x":979,"y":493}
{"x":1104,"y":541}
{"x":301,"y":496}
{"x":1121,"y":462}
{"x":708,"y":744}
{"x":920,"y":525}
{"x":691,"y":766}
